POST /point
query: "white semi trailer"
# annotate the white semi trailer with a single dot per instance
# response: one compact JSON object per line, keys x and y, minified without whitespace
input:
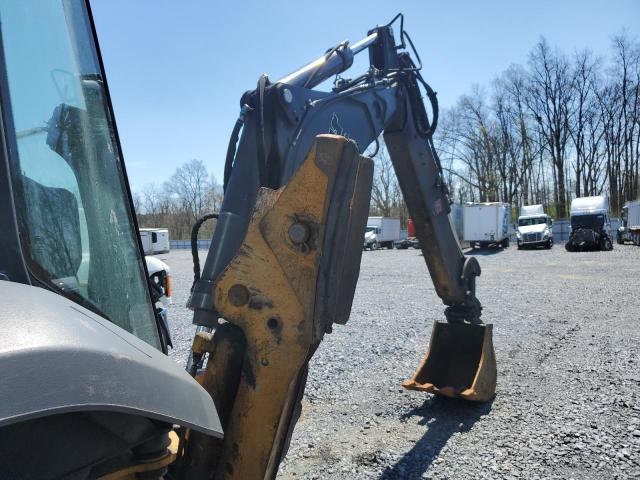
{"x":629,"y":231}
{"x":486,"y":224}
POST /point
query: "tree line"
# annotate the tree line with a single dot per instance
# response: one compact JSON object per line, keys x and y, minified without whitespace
{"x":559,"y":127}
{"x":190,"y":193}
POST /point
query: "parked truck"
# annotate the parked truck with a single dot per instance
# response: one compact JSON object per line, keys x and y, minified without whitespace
{"x":629,"y":231}
{"x":381,"y":232}
{"x":486,"y":224}
{"x":590,"y":224}
{"x":535,"y":228}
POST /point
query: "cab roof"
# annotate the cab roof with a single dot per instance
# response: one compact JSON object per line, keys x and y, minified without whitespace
{"x":532,"y":211}
{"x":585,"y":205}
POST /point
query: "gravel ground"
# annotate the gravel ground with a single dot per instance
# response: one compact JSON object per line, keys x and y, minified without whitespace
{"x":568,"y":400}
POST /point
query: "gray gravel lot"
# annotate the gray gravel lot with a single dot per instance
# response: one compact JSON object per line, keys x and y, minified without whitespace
{"x":567,"y":338}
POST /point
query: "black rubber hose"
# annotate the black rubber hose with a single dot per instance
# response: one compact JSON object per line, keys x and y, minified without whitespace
{"x":260,"y":133}
{"x":431,"y":95}
{"x":433,"y":99}
{"x":194,"y":245}
{"x":231,"y":152}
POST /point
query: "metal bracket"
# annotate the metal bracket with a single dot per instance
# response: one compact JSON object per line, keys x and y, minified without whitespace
{"x":471,"y":310}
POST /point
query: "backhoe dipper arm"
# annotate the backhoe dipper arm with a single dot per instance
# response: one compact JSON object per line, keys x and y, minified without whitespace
{"x":284,"y":259}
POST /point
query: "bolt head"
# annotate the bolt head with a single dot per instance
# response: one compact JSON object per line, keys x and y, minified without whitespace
{"x":238,"y":295}
{"x":299,"y":232}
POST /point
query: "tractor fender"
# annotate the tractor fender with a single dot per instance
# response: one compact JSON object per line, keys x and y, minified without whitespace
{"x":58,"y":357}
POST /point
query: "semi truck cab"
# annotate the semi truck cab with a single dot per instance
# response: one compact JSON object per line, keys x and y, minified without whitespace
{"x":535,"y":228}
{"x":629,"y":230}
{"x":590,"y":225}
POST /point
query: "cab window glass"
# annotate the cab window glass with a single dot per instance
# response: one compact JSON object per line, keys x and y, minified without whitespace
{"x":72,"y":203}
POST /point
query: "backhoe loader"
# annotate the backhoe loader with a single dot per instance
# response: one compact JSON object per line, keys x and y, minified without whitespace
{"x":87,"y":390}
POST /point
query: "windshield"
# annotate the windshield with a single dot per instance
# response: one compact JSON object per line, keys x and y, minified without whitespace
{"x":371,"y":229}
{"x":592,"y":221}
{"x":76,"y":226}
{"x":525,"y":222}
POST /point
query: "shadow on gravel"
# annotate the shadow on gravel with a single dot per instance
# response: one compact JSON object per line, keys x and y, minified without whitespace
{"x":483,"y":251}
{"x":443,"y":417}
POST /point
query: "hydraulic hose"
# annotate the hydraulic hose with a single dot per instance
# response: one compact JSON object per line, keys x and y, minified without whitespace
{"x":194,"y":246}
{"x":231,"y":152}
{"x":233,"y":142}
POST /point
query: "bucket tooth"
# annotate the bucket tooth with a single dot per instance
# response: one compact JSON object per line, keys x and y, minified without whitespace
{"x":460,"y":362}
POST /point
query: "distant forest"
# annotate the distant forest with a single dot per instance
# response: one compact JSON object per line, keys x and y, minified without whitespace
{"x":560,"y":127}
{"x":178,"y":203}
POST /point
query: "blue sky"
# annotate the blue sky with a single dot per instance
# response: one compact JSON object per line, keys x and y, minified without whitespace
{"x":177,"y":69}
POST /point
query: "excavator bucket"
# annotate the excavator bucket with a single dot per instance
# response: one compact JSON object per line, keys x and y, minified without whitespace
{"x":460,"y":362}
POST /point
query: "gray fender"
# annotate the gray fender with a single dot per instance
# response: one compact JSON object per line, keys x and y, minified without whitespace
{"x":58,"y":357}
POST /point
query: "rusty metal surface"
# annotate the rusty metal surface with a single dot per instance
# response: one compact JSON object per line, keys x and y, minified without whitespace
{"x":225,"y":347}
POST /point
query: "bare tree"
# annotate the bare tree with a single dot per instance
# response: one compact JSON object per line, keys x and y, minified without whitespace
{"x":190,"y":185}
{"x":454,"y":158}
{"x":215,"y":194}
{"x":549,"y":100}
{"x":384,"y":188}
{"x":137,"y":203}
{"x":584,"y":71}
{"x":627,"y":78}
{"x":619,"y":103}
{"x":179,"y":202}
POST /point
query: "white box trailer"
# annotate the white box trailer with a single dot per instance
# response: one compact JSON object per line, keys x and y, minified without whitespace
{"x":155,"y":240}
{"x":629,"y":231}
{"x":486,"y":224}
{"x":145,"y":238}
{"x":381,"y":232}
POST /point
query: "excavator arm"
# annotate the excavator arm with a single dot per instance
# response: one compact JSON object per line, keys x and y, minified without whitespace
{"x":284,"y":259}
